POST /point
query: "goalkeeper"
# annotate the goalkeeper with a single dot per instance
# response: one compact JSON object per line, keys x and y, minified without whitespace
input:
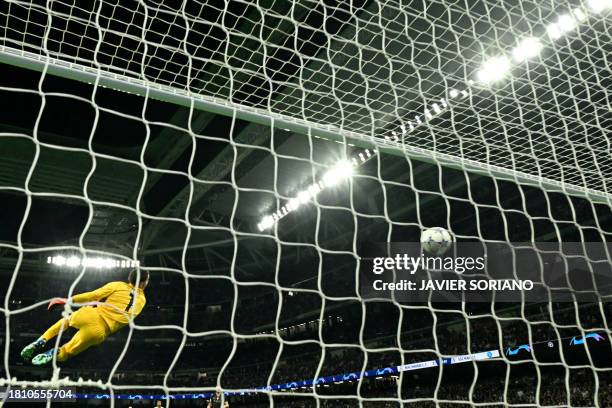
{"x":116,"y":303}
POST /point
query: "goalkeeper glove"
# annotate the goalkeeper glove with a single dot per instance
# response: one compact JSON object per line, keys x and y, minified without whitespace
{"x":56,"y":302}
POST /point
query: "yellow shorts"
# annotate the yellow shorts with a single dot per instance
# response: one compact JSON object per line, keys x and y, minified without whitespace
{"x":92,"y":330}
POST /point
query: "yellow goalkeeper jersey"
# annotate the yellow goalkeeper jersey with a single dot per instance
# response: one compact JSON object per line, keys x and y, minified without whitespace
{"x":119,"y":301}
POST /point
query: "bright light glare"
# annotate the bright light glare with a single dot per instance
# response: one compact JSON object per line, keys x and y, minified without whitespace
{"x":303,"y":197}
{"x":579,"y":14}
{"x":566,"y":23}
{"x":553,"y":31}
{"x":293,"y":204}
{"x":314,"y":190}
{"x":75,"y":261}
{"x":266,"y":223}
{"x":599,"y":5}
{"x":528,"y":48}
{"x":494,"y":69}
{"x":342,"y":170}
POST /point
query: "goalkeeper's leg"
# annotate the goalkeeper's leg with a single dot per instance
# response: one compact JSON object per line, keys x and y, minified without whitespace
{"x":92,"y":331}
{"x":29,"y":350}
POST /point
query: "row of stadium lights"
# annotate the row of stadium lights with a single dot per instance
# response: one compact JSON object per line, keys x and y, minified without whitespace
{"x":99,"y":263}
{"x":527,"y":48}
{"x":345,"y":168}
{"x":492,"y":70}
{"x":341,"y":171}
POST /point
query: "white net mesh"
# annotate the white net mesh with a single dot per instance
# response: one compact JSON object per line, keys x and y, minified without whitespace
{"x":367,"y":68}
{"x":91,"y":171}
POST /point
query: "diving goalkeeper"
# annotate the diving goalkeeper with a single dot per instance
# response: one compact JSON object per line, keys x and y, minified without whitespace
{"x":116,"y":302}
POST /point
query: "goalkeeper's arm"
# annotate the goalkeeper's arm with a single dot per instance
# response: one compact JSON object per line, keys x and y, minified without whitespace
{"x":93,"y":296}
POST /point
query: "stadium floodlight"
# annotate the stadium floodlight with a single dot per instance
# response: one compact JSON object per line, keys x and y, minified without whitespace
{"x":294,"y":204}
{"x":304,"y":196}
{"x":494,"y":69}
{"x":599,"y":5}
{"x":345,"y":168}
{"x":553,"y":31}
{"x":73,"y":261}
{"x":341,"y":171}
{"x":57,"y":260}
{"x":94,"y":262}
{"x":579,"y":14}
{"x":566,"y":23}
{"x":266,"y":223}
{"x":314,"y":189}
{"x":527,"y":48}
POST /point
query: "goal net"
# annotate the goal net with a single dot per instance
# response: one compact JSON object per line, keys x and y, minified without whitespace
{"x":241,"y":152}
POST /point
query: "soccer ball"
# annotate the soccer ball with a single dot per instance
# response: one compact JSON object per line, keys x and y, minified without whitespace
{"x":435,"y":241}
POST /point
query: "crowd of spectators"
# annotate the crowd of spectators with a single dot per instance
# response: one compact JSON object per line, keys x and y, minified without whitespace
{"x":346,"y":340}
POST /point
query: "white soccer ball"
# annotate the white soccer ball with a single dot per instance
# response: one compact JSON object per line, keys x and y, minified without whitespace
{"x":435,"y":241}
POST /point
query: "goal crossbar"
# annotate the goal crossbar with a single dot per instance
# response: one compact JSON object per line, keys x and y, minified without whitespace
{"x":165,"y":93}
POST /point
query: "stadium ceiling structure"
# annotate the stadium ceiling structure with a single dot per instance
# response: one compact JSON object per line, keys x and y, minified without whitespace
{"x":359,"y":69}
